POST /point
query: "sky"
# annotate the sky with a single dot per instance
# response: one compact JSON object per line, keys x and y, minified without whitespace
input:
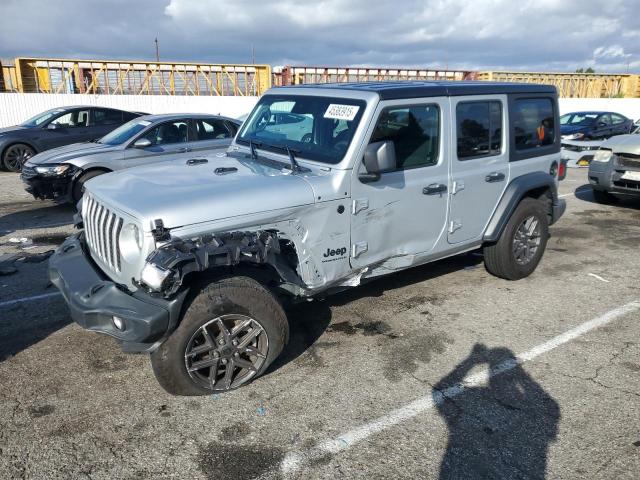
{"x":534,"y":35}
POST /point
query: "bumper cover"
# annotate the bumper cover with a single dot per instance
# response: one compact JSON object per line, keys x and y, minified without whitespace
{"x":42,"y":188}
{"x":609,"y":177}
{"x":94,"y":300}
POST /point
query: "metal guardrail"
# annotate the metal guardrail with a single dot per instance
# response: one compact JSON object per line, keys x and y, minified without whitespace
{"x":107,"y":77}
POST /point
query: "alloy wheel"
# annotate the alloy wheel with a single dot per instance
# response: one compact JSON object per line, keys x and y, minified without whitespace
{"x":16,"y":156}
{"x":526,"y":240}
{"x":226,"y":352}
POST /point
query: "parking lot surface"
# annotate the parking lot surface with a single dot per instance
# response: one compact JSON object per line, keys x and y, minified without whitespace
{"x":369,"y":384}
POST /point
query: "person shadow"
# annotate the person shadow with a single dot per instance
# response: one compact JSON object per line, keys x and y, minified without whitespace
{"x":501,"y":429}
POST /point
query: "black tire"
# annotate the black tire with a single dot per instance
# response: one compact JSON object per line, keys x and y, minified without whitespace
{"x":14,"y":156}
{"x":500,"y":257}
{"x":78,"y":186}
{"x":604,"y":197}
{"x":241,"y":296}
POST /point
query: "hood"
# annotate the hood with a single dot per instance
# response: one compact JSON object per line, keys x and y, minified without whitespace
{"x":182,"y":194}
{"x":70,"y":152}
{"x":571,"y":129}
{"x":623,"y":144}
{"x":15,"y":128}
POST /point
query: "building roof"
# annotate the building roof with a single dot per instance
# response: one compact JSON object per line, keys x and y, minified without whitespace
{"x":412,"y":89}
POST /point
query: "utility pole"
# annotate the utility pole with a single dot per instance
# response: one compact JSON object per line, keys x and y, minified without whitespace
{"x":253,"y":55}
{"x":157,"y":50}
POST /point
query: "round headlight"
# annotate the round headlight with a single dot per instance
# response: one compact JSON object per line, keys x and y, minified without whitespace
{"x":130,"y":242}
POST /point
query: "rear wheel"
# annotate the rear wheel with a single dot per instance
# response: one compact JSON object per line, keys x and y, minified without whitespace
{"x":16,"y":155}
{"x":230,"y":333}
{"x":521,"y":245}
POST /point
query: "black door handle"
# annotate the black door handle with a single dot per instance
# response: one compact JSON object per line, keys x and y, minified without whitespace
{"x":494,"y":177}
{"x":434,"y":189}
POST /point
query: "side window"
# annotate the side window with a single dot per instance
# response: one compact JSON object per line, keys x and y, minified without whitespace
{"x":617,"y":119}
{"x":233,"y":128}
{"x":169,"y":132}
{"x":106,"y":117}
{"x":479,"y":129}
{"x":76,"y":118}
{"x":533,"y":123}
{"x":414,"y":131}
{"x":604,"y":120}
{"x":212,"y":129}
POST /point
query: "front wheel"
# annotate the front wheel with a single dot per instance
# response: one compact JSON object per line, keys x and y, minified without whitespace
{"x":519,"y":249}
{"x":16,"y":155}
{"x":231,"y":332}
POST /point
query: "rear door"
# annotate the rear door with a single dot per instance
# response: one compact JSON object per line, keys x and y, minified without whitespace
{"x":619,"y":124}
{"x":603,"y":126}
{"x":71,"y":127}
{"x":480,"y":164}
{"x":169,"y":141}
{"x":104,"y":120}
{"x":210,"y":133}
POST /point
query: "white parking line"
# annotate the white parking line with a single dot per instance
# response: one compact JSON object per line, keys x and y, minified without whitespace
{"x":42,"y":296}
{"x":295,"y":460}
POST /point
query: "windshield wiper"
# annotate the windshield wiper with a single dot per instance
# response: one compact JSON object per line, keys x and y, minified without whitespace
{"x":295,"y":166}
{"x":252,"y":147}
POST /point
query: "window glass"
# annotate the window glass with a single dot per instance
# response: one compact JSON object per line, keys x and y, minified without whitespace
{"x":604,"y":120}
{"x":170,"y":132}
{"x":582,"y":119}
{"x":107,"y":117}
{"x":124,"y":132}
{"x":212,"y":129}
{"x":533,"y":123}
{"x":77,"y":118}
{"x":479,"y":129}
{"x":41,"y":118}
{"x":414,"y":131}
{"x":313,"y":127}
{"x":617,"y":119}
{"x":126,"y":116}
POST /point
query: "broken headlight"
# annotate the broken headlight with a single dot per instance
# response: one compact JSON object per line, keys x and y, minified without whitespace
{"x":154,"y":276}
{"x":130,"y":242}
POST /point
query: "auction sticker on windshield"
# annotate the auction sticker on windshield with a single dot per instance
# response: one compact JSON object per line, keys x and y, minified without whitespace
{"x":341,"y":112}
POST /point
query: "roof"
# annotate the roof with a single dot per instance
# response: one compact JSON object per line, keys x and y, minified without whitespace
{"x":412,"y":89}
{"x":177,"y":116}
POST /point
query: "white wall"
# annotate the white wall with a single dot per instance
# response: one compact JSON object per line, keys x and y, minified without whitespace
{"x":17,"y":107}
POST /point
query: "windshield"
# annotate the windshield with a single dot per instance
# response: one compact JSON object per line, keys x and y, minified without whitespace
{"x":578,"y":119}
{"x":315,"y":128}
{"x":124,"y":132}
{"x":42,"y":117}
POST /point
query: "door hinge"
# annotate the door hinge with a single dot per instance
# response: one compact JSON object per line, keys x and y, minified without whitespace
{"x":454,"y":225}
{"x":358,"y":205}
{"x":457,"y":186}
{"x":359,"y":248}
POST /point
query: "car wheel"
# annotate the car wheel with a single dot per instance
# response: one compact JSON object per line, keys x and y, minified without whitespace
{"x":521,"y":245}
{"x":604,"y":197}
{"x":78,"y":186}
{"x":16,"y":155}
{"x":230,"y":333}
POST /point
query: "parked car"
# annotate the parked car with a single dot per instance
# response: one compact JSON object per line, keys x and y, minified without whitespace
{"x":56,"y":128}
{"x":593,"y":125}
{"x":616,"y":168}
{"x":62,"y":172}
{"x":579,"y":153}
{"x":192,"y":263}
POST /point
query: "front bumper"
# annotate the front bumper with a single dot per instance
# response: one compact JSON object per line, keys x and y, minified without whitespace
{"x":94,"y":300}
{"x":578,"y":153}
{"x":609,"y":177}
{"x":42,"y":188}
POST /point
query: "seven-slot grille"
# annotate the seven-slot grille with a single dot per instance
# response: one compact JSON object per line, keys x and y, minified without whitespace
{"x":102,"y":229}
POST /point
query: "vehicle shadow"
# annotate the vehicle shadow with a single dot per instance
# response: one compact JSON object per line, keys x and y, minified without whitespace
{"x":309,"y":320}
{"x":47,"y":216}
{"x":632,"y":202}
{"x":499,"y":430}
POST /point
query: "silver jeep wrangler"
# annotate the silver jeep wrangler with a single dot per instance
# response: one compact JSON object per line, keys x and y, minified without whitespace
{"x":323,"y":188}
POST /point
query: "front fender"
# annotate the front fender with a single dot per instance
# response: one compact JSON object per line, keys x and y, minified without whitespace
{"x":516,"y":191}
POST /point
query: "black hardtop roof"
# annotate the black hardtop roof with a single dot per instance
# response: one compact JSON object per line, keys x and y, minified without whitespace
{"x":412,"y":89}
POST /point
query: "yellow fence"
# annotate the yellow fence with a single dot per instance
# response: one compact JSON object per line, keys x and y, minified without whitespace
{"x":108,"y":77}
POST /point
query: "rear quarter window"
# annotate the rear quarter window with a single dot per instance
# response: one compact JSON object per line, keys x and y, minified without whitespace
{"x":534,"y":126}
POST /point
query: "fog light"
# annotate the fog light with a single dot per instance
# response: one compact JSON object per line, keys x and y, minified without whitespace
{"x":118,"y":323}
{"x":153,"y":276}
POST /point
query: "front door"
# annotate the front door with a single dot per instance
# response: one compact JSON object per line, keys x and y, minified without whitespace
{"x":479,"y":165}
{"x":70,"y":127}
{"x":169,"y":141}
{"x":403,"y":213}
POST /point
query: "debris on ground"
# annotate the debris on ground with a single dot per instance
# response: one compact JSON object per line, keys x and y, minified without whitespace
{"x":23,"y":241}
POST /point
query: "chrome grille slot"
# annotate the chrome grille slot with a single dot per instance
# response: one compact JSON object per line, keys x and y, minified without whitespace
{"x":102,"y":230}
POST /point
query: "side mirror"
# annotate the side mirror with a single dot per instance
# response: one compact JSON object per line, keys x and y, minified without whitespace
{"x":142,"y":143}
{"x":52,"y":126}
{"x":379,"y":157}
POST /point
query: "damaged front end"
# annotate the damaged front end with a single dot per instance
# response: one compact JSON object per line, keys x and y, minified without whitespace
{"x":166,"y":268}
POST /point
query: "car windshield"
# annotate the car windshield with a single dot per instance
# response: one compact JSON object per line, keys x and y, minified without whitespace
{"x":124,"y":132}
{"x":315,"y":128}
{"x":42,"y":117}
{"x":578,"y":119}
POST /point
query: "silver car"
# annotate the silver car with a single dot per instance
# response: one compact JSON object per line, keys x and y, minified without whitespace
{"x":61,"y":173}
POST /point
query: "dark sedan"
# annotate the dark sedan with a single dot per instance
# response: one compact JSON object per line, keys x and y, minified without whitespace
{"x":593,"y":125}
{"x":56,"y":128}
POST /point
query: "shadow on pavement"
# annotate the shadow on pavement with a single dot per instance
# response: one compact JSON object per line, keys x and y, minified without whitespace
{"x":584,"y":193}
{"x":47,"y":216}
{"x":500,"y":430}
